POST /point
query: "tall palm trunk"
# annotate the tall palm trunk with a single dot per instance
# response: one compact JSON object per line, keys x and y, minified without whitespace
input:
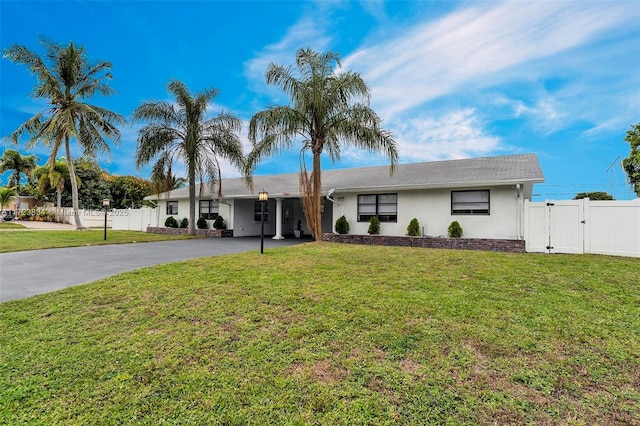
{"x":311,"y":188}
{"x":74,"y":185}
{"x":317,"y":197}
{"x":58,"y":205}
{"x":17,"y":201}
{"x":192,"y":201}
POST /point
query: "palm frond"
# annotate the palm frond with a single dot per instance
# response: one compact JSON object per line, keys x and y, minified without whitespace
{"x":181,"y":130}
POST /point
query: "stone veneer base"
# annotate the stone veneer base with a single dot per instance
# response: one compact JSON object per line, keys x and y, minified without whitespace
{"x":209,"y":233}
{"x":510,"y":246}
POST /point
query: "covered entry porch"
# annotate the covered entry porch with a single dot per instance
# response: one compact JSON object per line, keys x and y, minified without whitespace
{"x":282,"y":218}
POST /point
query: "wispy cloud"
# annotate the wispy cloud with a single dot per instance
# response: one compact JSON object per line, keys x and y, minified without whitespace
{"x":469,"y":47}
{"x":440,"y":82}
{"x":308,"y":31}
{"x":374,"y":8}
{"x":457,"y":134}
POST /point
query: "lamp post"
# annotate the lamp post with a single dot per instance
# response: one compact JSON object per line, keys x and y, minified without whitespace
{"x":264,"y":198}
{"x":105,"y":203}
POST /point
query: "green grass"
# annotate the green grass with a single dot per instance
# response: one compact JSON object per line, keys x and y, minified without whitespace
{"x":332,"y":334}
{"x":21,"y":240}
{"x":10,"y":225}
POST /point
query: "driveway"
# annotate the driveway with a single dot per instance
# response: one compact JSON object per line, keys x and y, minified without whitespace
{"x":28,"y":273}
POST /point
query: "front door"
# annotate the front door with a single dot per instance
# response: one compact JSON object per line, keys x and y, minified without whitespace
{"x":287,"y":216}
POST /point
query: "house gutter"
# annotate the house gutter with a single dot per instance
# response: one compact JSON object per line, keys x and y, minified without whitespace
{"x":328,"y":196}
{"x":465,"y":184}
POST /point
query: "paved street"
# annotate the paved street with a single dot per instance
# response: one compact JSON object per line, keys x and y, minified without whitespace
{"x":25,"y":274}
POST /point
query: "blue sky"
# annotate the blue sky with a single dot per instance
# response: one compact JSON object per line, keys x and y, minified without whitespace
{"x":450,"y":79}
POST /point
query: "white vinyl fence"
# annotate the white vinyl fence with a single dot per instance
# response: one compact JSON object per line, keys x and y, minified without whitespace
{"x":583,"y":226}
{"x":89,"y":218}
{"x":134,"y":219}
{"x":117,"y":219}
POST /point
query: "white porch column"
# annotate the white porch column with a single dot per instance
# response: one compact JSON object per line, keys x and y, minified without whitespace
{"x":278,"y":235}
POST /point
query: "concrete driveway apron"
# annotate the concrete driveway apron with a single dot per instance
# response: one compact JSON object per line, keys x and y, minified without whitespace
{"x":28,"y":273}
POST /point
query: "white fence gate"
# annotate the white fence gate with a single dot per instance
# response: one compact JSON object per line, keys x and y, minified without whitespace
{"x":583,"y":226}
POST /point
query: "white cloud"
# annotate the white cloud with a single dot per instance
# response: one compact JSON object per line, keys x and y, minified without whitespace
{"x":374,"y":8}
{"x":453,"y":135}
{"x":538,"y":62}
{"x":546,"y":113}
{"x":473,"y":46}
{"x":307,"y":32}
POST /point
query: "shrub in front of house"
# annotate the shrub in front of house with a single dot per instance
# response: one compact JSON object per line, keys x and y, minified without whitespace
{"x":184,"y":223}
{"x":38,"y":214}
{"x":219,"y":223}
{"x":201,"y":223}
{"x":25,"y":214}
{"x":171,"y":222}
{"x":342,"y":226}
{"x":374,"y":226}
{"x":455,"y":230}
{"x":413,"y":230}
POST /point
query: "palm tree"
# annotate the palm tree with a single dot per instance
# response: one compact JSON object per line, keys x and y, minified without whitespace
{"x":181,"y":131}
{"x":66,"y":83}
{"x":19,"y":165}
{"x":327,"y":110}
{"x":55,"y":177}
{"x":5,"y":196}
{"x":163,"y":180}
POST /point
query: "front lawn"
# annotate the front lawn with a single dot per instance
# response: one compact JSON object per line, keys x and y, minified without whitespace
{"x":332,"y":334}
{"x":21,"y":240}
{"x":10,"y":225}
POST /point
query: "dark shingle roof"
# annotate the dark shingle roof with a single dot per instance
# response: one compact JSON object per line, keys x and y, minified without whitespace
{"x":437,"y":174}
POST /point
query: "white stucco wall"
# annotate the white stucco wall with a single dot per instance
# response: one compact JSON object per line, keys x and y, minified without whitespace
{"x":183,"y":210}
{"x":244,"y":223}
{"x":432,"y":208}
{"x":224,"y":209}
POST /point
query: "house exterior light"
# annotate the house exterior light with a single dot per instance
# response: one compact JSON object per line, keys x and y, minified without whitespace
{"x":105,"y":203}
{"x":263,"y":197}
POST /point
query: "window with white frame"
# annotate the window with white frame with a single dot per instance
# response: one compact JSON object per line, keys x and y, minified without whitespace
{"x":172,"y":207}
{"x":257,"y":211}
{"x":382,"y":206}
{"x":208,"y":209}
{"x":470,"y":202}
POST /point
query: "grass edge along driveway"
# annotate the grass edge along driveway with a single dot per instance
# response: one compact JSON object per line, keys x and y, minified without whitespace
{"x":22,"y":240}
{"x":332,"y":334}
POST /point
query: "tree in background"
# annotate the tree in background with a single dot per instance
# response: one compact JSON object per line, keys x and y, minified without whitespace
{"x":327,"y":110}
{"x":163,"y":180}
{"x":596,"y":195}
{"x":53,"y":178}
{"x":65,"y":83}
{"x":18,"y":165}
{"x":180,"y":130}
{"x":631,"y":164}
{"x":6,"y":194}
{"x":94,"y":188}
{"x":128,"y":191}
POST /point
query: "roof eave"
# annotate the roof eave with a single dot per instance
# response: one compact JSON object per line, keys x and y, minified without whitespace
{"x":469,"y":184}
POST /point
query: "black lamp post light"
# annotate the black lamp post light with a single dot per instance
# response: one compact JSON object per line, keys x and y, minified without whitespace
{"x":105,"y":203}
{"x":263,"y":197}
